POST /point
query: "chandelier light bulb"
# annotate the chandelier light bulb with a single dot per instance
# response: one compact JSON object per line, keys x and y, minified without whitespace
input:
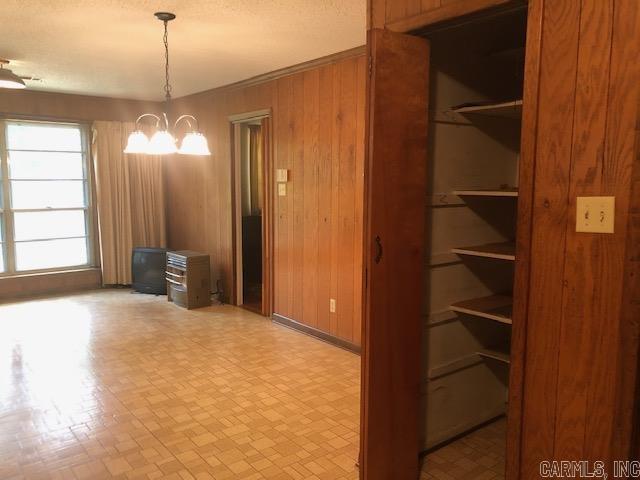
{"x":138,"y":143}
{"x":194,"y":143}
{"x":162,"y":143}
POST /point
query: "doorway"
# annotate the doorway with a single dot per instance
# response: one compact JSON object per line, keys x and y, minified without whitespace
{"x":251,"y":171}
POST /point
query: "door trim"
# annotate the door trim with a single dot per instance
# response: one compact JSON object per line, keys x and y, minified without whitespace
{"x":267,"y":214}
{"x":526,"y":169}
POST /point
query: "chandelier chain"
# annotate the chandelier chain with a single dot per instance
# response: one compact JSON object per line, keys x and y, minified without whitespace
{"x":167,"y":85}
{"x":163,"y":142}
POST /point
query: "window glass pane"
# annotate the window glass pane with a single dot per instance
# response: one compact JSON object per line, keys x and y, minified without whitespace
{"x":51,"y":254}
{"x":45,"y":165}
{"x":2,"y":262}
{"x":47,"y":194}
{"x":41,"y":225}
{"x":44,"y":137}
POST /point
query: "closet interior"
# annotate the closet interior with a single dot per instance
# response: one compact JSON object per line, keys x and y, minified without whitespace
{"x":475,"y":104}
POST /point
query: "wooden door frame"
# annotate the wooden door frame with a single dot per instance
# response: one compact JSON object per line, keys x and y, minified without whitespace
{"x":523,"y":262}
{"x":526,"y":172}
{"x":235,"y":122}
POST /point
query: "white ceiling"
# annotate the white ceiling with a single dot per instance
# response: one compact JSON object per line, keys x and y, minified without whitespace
{"x":114,"y":47}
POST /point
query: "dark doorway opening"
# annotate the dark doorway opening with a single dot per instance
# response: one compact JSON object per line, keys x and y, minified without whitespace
{"x":252,"y":206}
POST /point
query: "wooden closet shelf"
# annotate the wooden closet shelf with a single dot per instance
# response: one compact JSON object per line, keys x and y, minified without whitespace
{"x":487,"y":192}
{"x":495,"y":355}
{"x":512,"y":109}
{"x":493,"y":307}
{"x":501,"y":251}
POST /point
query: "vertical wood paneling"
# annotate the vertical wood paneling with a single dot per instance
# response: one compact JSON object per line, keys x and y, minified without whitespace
{"x":337,"y":138}
{"x":361,"y":99}
{"x":284,"y":212}
{"x":296,"y":197}
{"x":376,"y":13}
{"x":346,"y":199}
{"x":325,"y":158}
{"x":582,"y":299}
{"x":583,"y":329}
{"x":408,"y":15}
{"x":395,"y":10}
{"x":318,"y":127}
{"x":550,"y":213}
{"x":65,"y":106}
{"x":310,"y":235}
{"x":427,"y":5}
{"x":625,"y":43}
{"x":620,"y":156}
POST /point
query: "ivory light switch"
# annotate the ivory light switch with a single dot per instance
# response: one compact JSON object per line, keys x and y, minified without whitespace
{"x":595,"y":214}
{"x":282,"y":175}
{"x":282,"y":189}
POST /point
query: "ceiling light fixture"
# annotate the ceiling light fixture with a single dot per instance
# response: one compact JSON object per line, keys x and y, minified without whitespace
{"x":162,"y":142}
{"x":8,"y":79}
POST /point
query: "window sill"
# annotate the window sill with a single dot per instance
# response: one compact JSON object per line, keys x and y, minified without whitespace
{"x":53,"y":282}
{"x":45,"y":273}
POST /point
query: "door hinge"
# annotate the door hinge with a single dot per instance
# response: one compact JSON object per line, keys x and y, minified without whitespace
{"x":370,"y":66}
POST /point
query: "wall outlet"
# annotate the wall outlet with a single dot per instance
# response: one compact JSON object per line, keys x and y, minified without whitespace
{"x":332,"y":305}
{"x":282,"y":189}
{"x":595,"y":214}
{"x":282,"y":175}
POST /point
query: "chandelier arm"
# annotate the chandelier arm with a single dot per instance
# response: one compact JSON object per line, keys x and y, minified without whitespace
{"x":147,"y":115}
{"x":186,"y":118}
{"x":166,"y":121}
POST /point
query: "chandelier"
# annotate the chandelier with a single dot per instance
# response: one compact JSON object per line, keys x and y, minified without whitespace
{"x":162,"y":142}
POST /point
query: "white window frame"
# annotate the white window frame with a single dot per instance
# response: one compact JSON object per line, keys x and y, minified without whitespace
{"x":7,"y":243}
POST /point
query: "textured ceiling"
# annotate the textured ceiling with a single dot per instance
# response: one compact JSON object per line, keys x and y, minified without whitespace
{"x":114,"y":47}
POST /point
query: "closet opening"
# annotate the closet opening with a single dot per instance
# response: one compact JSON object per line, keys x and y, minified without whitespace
{"x":475,"y":108}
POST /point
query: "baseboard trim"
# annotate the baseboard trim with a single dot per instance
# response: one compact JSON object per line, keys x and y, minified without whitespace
{"x":314,"y":332}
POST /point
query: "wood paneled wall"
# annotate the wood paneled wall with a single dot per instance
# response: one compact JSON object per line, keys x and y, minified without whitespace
{"x":407,"y":15}
{"x":318,"y":135}
{"x":577,"y":313}
{"x":582,"y":323}
{"x":32,"y":103}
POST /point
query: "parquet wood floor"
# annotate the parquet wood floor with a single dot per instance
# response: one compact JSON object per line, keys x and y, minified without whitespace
{"x":114,"y":385}
{"x":479,"y":455}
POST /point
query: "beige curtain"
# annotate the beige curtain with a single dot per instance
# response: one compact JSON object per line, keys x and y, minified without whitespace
{"x":130,"y":200}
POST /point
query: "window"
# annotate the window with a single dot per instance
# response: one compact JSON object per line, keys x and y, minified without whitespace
{"x":45,"y":201}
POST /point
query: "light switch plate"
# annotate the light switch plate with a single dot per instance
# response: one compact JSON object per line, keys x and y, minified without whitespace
{"x":282,"y":175}
{"x":595,"y":214}
{"x":282,"y":189}
{"x":332,"y":305}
